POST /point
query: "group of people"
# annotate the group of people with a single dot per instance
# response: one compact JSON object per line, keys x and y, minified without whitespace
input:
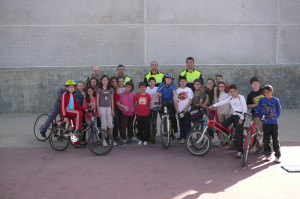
{"x":116,"y":105}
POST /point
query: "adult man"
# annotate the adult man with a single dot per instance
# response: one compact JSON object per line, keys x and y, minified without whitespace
{"x":96,"y":73}
{"x":121,"y":73}
{"x":159,"y":77}
{"x":191,"y":73}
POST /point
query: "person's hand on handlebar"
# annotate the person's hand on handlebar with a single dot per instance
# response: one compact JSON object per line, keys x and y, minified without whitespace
{"x":211,"y":107}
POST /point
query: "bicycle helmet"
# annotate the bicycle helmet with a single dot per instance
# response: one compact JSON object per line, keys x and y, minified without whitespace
{"x":169,"y":75}
{"x":70,"y":82}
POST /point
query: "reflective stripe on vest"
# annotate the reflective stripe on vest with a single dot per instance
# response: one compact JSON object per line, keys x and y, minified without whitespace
{"x":191,"y":76}
{"x":158,"y":77}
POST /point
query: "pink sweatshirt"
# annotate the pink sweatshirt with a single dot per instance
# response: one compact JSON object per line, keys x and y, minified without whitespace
{"x":127,"y":99}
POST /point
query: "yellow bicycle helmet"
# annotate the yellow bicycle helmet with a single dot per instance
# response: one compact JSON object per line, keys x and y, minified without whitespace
{"x":70,"y":82}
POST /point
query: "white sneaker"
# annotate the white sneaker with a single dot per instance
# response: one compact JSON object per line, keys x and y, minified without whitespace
{"x":268,"y":158}
{"x":182,"y":141}
{"x":140,"y":142}
{"x":115,"y":144}
{"x":218,"y":142}
{"x":104,"y":143}
{"x":145,"y":143}
{"x":177,"y":135}
{"x":277,"y":160}
{"x":135,"y":139}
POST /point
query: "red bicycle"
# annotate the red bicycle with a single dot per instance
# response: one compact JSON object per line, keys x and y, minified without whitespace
{"x":199,"y":140}
{"x":252,"y":135}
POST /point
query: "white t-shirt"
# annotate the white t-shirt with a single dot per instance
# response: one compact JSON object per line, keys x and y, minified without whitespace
{"x":152,"y":92}
{"x":184,"y":95}
{"x":121,"y":90}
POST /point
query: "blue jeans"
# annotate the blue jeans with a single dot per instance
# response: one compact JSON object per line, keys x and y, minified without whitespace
{"x":55,"y":111}
{"x":185,"y":126}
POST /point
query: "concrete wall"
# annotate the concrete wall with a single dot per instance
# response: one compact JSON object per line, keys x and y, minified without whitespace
{"x":33,"y":89}
{"x":134,"y":32}
{"x":236,"y":38}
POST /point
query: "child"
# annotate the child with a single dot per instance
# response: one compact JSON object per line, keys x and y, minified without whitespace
{"x":252,"y":100}
{"x":80,"y":92}
{"x":210,"y":83}
{"x":270,"y":107}
{"x":114,"y":85}
{"x":185,"y":97}
{"x":90,"y":100}
{"x":238,"y":103}
{"x":219,"y":78}
{"x":121,"y":84}
{"x":169,"y":96}
{"x":105,"y":106}
{"x":126,"y":104}
{"x":151,"y":90}
{"x":70,"y":107}
{"x":200,"y":96}
{"x":142,"y":102}
{"x":94,"y":82}
{"x":223,"y":111}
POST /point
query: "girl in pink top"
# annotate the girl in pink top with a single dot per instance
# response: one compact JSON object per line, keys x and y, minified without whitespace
{"x":126,"y":104}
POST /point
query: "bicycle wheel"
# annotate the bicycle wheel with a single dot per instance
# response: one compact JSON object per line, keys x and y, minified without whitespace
{"x":59,"y":138}
{"x":95,"y":142}
{"x":152,"y":131}
{"x":198,"y":148}
{"x":246,"y":149}
{"x":135,"y":127}
{"x":165,"y":133}
{"x":38,"y":125}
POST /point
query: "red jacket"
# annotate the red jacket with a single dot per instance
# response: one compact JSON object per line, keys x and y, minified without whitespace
{"x":64,"y":102}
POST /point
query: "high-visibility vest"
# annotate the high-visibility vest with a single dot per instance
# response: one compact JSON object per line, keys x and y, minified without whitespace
{"x":158,"y":76}
{"x":191,"y":76}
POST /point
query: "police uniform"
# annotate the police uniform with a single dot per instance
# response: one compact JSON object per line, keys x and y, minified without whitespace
{"x":159,"y":77}
{"x":191,"y":76}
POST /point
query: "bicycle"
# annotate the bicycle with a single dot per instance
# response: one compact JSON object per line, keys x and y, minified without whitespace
{"x":60,"y":137}
{"x":39,"y":123}
{"x":166,"y":129}
{"x":251,"y":136}
{"x":199,"y":139}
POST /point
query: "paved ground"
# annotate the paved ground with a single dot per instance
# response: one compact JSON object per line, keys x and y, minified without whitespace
{"x":32,"y":169}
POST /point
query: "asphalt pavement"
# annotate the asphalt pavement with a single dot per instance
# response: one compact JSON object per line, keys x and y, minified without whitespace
{"x":32,"y":169}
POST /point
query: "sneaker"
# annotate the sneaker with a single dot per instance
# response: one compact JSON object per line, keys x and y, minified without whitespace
{"x":74,"y":138}
{"x":222,"y":144}
{"x":182,"y":141}
{"x":177,"y":135}
{"x":145,"y":143}
{"x":239,"y":155}
{"x":259,"y":150}
{"x":140,"y":142}
{"x":277,"y":160}
{"x":268,"y":158}
{"x":122,"y":142}
{"x":104,"y":143}
{"x":218,"y":143}
{"x":135,"y":139}
{"x":115,"y":144}
{"x":43,"y":134}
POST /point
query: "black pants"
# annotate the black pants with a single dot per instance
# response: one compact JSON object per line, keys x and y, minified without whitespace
{"x":143,"y":127}
{"x":172,"y":114}
{"x":238,"y":130}
{"x":271,"y":130}
{"x":185,"y":126}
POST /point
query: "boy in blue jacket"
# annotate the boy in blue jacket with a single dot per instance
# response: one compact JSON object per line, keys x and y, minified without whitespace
{"x":270,"y":107}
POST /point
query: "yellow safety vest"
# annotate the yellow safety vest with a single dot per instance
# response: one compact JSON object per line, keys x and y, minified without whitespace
{"x":191,"y":76}
{"x":158,"y":76}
